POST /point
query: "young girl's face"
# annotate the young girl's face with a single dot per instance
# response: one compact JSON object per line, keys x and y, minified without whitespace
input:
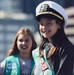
{"x":24,"y":43}
{"x":48,"y":27}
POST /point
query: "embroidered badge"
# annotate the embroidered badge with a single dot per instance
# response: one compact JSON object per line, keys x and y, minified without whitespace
{"x":38,"y":69}
{"x":44,"y":66}
{"x":47,"y":72}
{"x":11,"y":65}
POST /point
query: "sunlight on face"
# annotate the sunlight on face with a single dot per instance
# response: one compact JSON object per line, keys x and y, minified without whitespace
{"x":48,"y":27}
{"x":24,"y":43}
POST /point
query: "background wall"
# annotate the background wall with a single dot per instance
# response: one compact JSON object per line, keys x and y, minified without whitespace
{"x":17,"y":13}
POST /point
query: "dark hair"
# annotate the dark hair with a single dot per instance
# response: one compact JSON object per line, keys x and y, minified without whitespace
{"x":61,"y":30}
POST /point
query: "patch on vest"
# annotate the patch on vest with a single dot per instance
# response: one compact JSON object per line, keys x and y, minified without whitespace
{"x":40,"y":67}
{"x":11,"y":65}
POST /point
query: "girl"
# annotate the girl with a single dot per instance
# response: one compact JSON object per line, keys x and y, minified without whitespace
{"x":55,"y":55}
{"x":19,"y":60}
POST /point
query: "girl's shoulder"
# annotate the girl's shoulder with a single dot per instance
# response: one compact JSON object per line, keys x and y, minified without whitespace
{"x":4,"y":61}
{"x":35,"y":52}
{"x":11,"y":58}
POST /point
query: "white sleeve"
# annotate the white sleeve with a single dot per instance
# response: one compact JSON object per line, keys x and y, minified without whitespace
{"x":2,"y":67}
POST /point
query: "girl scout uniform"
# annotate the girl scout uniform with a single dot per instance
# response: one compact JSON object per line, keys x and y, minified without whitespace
{"x":41,"y":68}
{"x":65,"y":50}
{"x":12,"y":65}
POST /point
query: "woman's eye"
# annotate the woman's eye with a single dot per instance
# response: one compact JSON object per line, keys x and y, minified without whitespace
{"x":20,"y":40}
{"x":49,"y":23}
{"x":27,"y":40}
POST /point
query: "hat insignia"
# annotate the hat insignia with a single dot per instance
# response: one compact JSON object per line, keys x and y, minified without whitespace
{"x":44,"y":8}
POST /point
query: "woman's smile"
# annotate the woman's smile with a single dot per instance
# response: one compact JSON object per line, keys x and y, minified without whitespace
{"x":24,"y":47}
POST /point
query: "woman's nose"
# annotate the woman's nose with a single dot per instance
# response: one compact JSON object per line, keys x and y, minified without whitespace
{"x":44,"y":27}
{"x":23,"y":42}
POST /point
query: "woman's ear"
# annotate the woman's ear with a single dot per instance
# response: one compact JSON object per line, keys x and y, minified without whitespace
{"x":59,"y":25}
